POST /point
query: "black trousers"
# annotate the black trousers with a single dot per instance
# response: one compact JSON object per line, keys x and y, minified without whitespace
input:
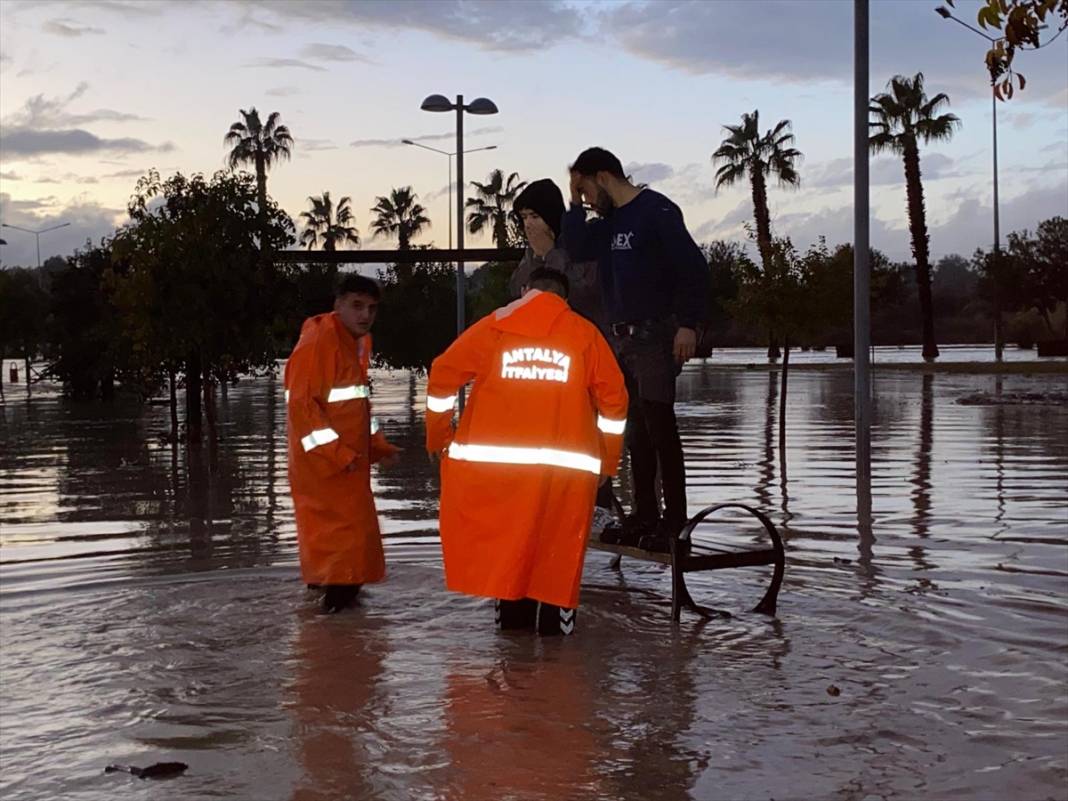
{"x":653,"y":439}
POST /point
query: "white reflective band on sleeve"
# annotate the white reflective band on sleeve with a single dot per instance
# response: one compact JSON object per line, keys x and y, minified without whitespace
{"x":287,"y":396}
{"x":348,"y":393}
{"x":321,"y":436}
{"x":609,"y":426}
{"x":440,"y":404}
{"x":505,"y":455}
{"x":374,"y":426}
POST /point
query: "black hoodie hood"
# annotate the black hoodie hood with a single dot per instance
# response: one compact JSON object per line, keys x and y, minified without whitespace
{"x":544,"y":198}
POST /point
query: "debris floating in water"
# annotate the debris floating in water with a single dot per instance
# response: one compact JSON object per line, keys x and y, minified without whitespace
{"x":833,"y":691}
{"x":160,"y":770}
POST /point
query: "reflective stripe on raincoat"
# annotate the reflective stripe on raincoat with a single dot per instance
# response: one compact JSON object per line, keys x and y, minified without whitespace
{"x":330,"y":428}
{"x":519,"y":477}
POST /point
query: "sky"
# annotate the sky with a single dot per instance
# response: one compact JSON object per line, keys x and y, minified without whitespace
{"x":95,"y":92}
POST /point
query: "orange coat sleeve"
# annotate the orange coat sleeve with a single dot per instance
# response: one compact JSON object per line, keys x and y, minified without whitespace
{"x":309,"y":375}
{"x":450,"y":371}
{"x":609,"y":393}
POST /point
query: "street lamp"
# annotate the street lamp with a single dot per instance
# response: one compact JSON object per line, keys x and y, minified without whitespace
{"x":999,"y":344}
{"x":450,"y":155}
{"x":37,"y":234}
{"x":481,"y":105}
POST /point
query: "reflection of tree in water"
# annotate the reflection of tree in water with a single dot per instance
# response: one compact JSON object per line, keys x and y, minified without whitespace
{"x":921,"y":478}
{"x":767,"y":462}
{"x":196,"y":495}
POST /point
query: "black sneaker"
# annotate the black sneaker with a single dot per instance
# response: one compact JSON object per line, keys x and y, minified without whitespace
{"x":516,"y":615}
{"x":339,"y":596}
{"x":629,"y":532}
{"x":555,"y":620}
{"x":660,"y":541}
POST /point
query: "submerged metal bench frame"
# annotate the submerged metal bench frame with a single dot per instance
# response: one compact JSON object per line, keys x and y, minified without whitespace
{"x":696,"y":558}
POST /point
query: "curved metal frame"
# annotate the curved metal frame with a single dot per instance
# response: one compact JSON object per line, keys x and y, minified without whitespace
{"x":683,"y":562}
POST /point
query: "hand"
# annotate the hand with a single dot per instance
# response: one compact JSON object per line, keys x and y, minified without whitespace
{"x":576,"y":188}
{"x":539,"y":236}
{"x":685,"y":345}
{"x":436,"y":457}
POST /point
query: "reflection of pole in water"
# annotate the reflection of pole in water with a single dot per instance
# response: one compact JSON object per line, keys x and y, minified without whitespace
{"x":999,"y":457}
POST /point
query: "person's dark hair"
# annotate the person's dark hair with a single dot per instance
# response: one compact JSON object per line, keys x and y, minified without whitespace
{"x":358,"y":284}
{"x":595,"y":160}
{"x":549,"y":280}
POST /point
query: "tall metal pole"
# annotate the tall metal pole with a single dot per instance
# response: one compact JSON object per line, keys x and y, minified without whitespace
{"x":460,"y":289}
{"x":999,"y":342}
{"x":450,"y":201}
{"x":37,"y":236}
{"x":861,"y":256}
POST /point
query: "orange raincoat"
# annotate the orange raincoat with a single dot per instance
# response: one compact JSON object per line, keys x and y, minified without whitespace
{"x":330,"y":426}
{"x":544,"y":420}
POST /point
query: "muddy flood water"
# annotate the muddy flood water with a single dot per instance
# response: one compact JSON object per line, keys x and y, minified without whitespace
{"x":151,"y":610}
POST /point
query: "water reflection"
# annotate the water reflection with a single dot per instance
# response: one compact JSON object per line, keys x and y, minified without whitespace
{"x":921,"y":476}
{"x":335,"y":687}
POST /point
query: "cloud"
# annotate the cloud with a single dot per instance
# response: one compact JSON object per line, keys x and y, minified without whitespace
{"x":805,"y":42}
{"x":51,"y":112}
{"x":69,"y":28}
{"x":88,"y":221}
{"x":649,"y":173}
{"x":124,"y":174}
{"x":486,"y":24}
{"x":21,"y":142}
{"x":284,"y":63}
{"x":329,"y":52}
{"x":283,"y":91}
{"x":436,"y":194}
{"x":427,"y":138}
{"x":10,"y":175}
{"x":315,"y":145}
{"x":881,"y":171}
{"x":730,"y":224}
{"x":46,"y":180}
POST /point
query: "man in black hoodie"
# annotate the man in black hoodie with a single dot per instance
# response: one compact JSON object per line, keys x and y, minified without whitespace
{"x":654,"y":285}
{"x":540,"y":207}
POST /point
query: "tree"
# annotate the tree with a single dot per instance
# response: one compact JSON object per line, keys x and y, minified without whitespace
{"x":779,"y":298}
{"x":725,"y":261}
{"x":1024,"y":22}
{"x":197,"y":298}
{"x":259,"y":144}
{"x":419,"y":315}
{"x":1042,"y":267}
{"x":399,"y":215}
{"x":23,"y":315}
{"x":89,"y":351}
{"x":745,"y":152}
{"x":492,"y":206}
{"x":901,"y":119}
{"x":329,"y":225}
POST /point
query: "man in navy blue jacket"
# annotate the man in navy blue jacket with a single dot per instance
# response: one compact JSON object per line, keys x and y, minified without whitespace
{"x":654,"y":284}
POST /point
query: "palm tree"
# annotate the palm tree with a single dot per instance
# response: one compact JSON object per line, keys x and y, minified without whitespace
{"x":260,"y":144}
{"x":327,"y":224}
{"x":401,"y":216}
{"x":746,"y":153}
{"x":492,"y":205}
{"x":900,"y":119}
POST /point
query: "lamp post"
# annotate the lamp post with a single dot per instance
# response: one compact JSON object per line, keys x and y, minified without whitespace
{"x":481,"y":105}
{"x":450,"y":155}
{"x":999,"y":343}
{"x":37,"y":234}
{"x":861,"y":267}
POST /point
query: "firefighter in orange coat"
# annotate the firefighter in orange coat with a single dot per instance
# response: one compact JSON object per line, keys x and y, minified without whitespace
{"x":543,"y":426}
{"x":333,"y":440}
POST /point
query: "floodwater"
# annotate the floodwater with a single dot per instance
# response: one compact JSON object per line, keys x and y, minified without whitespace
{"x":150,"y":610}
